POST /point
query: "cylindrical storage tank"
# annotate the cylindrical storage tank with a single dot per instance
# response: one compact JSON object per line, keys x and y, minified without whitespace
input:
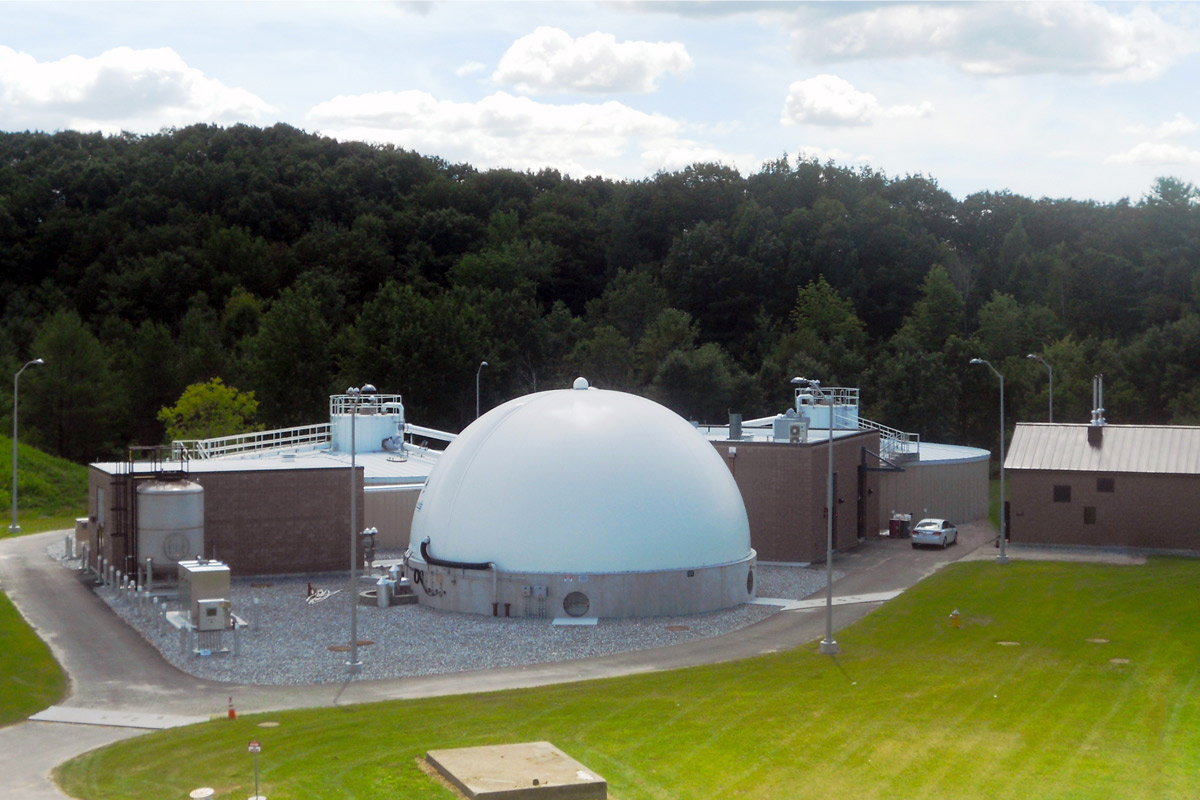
{"x":170,"y":521}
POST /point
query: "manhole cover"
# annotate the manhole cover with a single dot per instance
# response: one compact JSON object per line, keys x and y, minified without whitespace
{"x":679,"y":627}
{"x":345,"y":648}
{"x":260,"y":586}
{"x":1098,"y":641}
{"x":1009,"y":644}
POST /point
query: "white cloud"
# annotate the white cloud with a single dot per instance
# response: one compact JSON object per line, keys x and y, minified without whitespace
{"x":1158,"y":154}
{"x":994,"y":39}
{"x":1175,"y":127}
{"x":833,"y":101}
{"x":550,"y":61}
{"x":121,"y":89}
{"x":500,"y":130}
{"x":469,"y":68}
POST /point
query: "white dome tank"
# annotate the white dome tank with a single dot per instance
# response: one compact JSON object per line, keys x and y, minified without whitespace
{"x":170,"y":518}
{"x":581,"y":483}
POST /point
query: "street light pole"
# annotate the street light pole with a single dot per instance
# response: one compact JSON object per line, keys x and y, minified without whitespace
{"x":828,"y":645}
{"x":14,"y":527}
{"x":482,"y":364}
{"x":1036,"y":357}
{"x":1003,"y":557}
{"x":355,"y":394}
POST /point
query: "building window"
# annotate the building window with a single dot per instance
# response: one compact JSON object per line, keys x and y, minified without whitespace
{"x":1062,"y":494}
{"x":1089,"y":515}
{"x":1105,"y":485}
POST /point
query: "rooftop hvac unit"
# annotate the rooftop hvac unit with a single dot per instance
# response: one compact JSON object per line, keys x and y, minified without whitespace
{"x":790,"y":428}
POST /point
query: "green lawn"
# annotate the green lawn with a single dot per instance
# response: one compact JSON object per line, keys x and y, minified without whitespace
{"x":52,"y":492}
{"x":30,"y":678}
{"x":913,"y":708}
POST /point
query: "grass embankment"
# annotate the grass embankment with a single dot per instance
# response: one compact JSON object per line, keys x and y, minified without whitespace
{"x":52,"y":492}
{"x":30,"y":678}
{"x":1017,"y":703}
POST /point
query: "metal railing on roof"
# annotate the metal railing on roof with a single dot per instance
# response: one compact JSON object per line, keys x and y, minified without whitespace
{"x":340,"y":404}
{"x":302,"y":436}
{"x":892,"y":442}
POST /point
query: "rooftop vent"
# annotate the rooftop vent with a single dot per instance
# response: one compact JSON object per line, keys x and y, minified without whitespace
{"x":1095,"y":431}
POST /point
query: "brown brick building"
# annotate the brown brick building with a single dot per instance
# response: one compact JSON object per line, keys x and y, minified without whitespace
{"x":784,"y":488}
{"x":1107,"y":485}
{"x":257,"y":519}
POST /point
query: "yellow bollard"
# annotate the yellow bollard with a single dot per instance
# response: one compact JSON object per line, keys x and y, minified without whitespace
{"x":954,"y":618}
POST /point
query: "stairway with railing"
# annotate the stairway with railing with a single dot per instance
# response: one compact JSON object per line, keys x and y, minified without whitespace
{"x":894,"y":445}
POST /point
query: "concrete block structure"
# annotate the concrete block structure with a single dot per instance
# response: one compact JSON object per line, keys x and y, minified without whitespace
{"x":784,"y":488}
{"x":257,"y":520}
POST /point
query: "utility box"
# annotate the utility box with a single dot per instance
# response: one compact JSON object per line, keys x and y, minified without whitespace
{"x":203,"y":580}
{"x":212,"y":614}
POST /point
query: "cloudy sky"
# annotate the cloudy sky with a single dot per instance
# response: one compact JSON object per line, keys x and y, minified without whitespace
{"x":1061,"y":99}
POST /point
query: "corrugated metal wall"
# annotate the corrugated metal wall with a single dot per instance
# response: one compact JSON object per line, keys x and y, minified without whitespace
{"x":957,"y":491}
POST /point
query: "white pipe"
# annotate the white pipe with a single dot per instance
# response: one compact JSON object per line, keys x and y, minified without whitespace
{"x":432,"y":433}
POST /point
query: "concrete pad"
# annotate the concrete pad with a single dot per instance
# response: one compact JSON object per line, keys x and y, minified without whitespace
{"x":113,"y":718}
{"x":819,"y":602}
{"x":526,"y":771}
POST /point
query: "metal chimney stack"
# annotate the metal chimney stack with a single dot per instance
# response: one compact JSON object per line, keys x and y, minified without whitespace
{"x":1096,"y":429}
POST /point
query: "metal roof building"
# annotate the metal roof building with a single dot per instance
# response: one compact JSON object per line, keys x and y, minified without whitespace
{"x":1132,"y":486}
{"x":1152,"y":449}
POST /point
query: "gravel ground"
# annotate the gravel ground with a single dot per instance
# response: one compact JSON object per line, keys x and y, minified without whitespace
{"x":290,"y":644}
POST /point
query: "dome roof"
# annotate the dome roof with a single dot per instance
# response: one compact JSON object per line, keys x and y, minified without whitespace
{"x":582,"y":480}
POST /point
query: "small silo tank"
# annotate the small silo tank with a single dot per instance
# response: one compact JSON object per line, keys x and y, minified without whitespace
{"x":170,"y":516}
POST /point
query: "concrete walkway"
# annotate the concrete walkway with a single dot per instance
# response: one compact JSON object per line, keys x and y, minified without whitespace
{"x":120,"y":686}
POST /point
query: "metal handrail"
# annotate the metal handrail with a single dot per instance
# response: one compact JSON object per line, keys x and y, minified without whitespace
{"x":301,"y":436}
{"x":892,"y":440}
{"x":340,"y":404}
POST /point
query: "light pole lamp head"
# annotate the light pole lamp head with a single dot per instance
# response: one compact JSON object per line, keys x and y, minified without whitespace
{"x":37,"y":362}
{"x":978,"y":361}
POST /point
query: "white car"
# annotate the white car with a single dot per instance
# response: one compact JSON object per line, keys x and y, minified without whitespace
{"x":934,"y":531}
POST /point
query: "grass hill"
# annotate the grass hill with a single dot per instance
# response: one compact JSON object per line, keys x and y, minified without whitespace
{"x":1064,"y":681}
{"x":52,"y":491}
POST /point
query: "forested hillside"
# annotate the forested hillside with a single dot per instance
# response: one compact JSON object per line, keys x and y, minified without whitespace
{"x":292,"y":266}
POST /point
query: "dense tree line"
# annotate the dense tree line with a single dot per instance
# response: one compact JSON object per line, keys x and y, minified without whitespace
{"x":291,"y":265}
